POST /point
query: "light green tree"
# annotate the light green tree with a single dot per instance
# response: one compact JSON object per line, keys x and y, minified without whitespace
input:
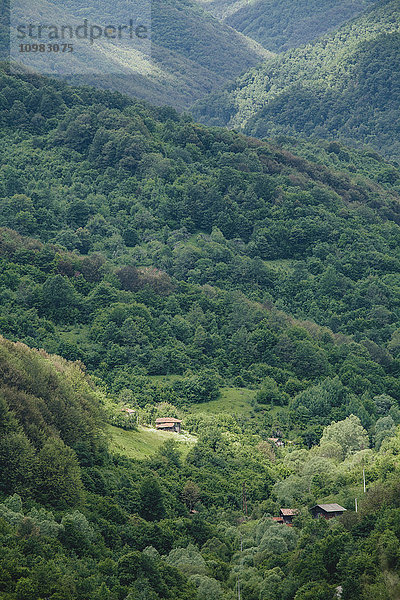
{"x":349,"y":434}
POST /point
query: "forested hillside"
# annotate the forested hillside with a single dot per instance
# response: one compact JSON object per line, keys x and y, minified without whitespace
{"x":163,"y":247}
{"x":77,"y":521}
{"x":169,"y":260}
{"x":279,"y":26}
{"x":49,"y":411}
{"x":345,"y":85}
{"x":191,"y":54}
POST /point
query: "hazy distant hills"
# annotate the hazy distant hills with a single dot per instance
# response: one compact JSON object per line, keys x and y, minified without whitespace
{"x":198,"y":46}
{"x":192,"y":53}
{"x":279,"y":25}
{"x":345,"y":85}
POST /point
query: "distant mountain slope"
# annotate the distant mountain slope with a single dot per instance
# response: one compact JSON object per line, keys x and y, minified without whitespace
{"x":345,"y":85}
{"x":279,"y":25}
{"x":192,"y":52}
{"x":222,"y":9}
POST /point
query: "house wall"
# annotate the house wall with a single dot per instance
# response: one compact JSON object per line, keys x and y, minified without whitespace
{"x":322,"y":513}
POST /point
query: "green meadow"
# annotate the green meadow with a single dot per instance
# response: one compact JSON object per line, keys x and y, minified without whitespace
{"x":146,"y":441}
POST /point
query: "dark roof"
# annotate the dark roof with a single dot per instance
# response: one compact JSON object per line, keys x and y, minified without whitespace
{"x":289,"y":512}
{"x":330,"y":507}
{"x":168,"y":420}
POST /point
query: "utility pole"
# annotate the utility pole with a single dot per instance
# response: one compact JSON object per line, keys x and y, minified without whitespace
{"x":364,"y":479}
{"x":355,"y":501}
{"x":241,"y":564}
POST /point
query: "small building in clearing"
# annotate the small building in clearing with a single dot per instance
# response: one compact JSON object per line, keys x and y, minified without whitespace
{"x":276,"y":441}
{"x":169,"y":424}
{"x":278,"y":520}
{"x":287,"y":514}
{"x":327,"y":511}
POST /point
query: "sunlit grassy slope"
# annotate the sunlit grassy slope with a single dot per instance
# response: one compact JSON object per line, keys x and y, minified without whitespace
{"x":146,"y":441}
{"x":232,"y":400}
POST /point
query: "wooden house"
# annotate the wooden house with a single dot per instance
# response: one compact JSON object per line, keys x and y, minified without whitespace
{"x":287,"y":514}
{"x":327,"y":511}
{"x":278,"y":520}
{"x":129,"y":411}
{"x":169,"y":424}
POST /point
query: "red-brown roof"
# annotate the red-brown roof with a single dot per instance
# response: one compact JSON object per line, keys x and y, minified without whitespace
{"x":168,"y":420}
{"x":165,"y":425}
{"x":276,"y":441}
{"x":289,"y":512}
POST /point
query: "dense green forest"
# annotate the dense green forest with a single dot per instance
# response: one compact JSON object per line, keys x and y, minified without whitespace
{"x":78,"y":522}
{"x":167,"y":261}
{"x":279,"y":26}
{"x":165,"y":248}
{"x":345,"y":85}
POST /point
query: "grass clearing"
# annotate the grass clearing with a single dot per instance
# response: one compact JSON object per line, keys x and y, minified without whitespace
{"x":232,"y":400}
{"x":145,"y":442}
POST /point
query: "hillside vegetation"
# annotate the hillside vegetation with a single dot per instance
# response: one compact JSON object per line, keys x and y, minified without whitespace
{"x":279,"y":26}
{"x":191,"y":54}
{"x":249,"y":288}
{"x":49,"y":412}
{"x":165,"y":248}
{"x":89,"y":523}
{"x":345,"y":86}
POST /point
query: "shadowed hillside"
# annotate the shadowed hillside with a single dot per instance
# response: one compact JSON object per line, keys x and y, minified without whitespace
{"x":278,"y":25}
{"x":346,"y":86}
{"x":191,"y":54}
